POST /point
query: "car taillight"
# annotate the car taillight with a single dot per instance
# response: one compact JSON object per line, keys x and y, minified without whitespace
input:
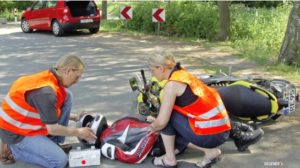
{"x":66,"y":10}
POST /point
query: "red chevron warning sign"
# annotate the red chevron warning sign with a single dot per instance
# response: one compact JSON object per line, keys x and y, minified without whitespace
{"x":158,"y":15}
{"x":126,"y":12}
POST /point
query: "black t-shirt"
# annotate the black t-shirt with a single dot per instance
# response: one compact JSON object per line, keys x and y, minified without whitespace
{"x":44,"y":100}
{"x":187,"y":98}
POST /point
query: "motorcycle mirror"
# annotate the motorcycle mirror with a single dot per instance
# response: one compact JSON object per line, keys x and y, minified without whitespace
{"x":133,"y":84}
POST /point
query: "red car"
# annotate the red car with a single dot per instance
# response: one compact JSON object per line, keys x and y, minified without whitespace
{"x":61,"y":16}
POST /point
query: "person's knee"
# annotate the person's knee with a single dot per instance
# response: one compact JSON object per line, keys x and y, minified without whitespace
{"x":61,"y":161}
{"x":57,"y":158}
{"x":64,"y":161}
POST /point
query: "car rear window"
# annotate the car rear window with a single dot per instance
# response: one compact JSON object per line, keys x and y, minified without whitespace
{"x":82,"y":8}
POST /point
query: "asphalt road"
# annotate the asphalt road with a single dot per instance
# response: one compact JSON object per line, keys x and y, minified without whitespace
{"x":111,"y":59}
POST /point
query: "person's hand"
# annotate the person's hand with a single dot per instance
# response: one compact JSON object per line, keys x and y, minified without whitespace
{"x":150,"y":118}
{"x":151,"y":130}
{"x":86,"y":134}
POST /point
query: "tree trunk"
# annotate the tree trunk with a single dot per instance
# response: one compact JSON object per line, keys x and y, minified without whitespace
{"x":104,"y":10}
{"x":290,"y":48}
{"x":224,"y":21}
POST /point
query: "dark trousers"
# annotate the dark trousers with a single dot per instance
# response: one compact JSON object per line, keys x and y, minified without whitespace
{"x":179,"y":126}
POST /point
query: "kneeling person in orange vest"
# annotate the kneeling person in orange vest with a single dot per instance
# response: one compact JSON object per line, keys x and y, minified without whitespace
{"x":36,"y":111}
{"x":192,"y":114}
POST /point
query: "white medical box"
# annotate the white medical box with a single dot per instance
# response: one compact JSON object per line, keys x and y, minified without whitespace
{"x":84,"y":157}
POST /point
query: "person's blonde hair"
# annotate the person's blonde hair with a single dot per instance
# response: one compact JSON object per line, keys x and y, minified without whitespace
{"x":69,"y":61}
{"x":162,"y":58}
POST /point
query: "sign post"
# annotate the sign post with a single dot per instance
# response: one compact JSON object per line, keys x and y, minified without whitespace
{"x":159,"y":16}
{"x":15,"y":14}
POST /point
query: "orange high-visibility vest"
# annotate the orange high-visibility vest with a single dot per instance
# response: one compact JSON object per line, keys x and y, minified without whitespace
{"x":207,"y":115}
{"x":17,"y":115}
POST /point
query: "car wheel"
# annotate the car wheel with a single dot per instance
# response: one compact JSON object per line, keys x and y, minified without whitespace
{"x":57,"y":29}
{"x":94,"y":30}
{"x":25,"y":26}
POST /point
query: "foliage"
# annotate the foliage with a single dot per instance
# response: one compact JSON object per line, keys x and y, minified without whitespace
{"x":5,"y":5}
{"x":9,"y":14}
{"x":10,"y":5}
{"x":142,"y":17}
{"x":7,"y":8}
{"x":290,"y":72}
{"x":183,"y":19}
{"x":260,"y":4}
{"x":190,"y":19}
{"x":111,"y":25}
{"x":258,"y":33}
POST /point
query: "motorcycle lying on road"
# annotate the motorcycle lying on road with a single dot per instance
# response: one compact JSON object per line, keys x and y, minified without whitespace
{"x":245,"y":98}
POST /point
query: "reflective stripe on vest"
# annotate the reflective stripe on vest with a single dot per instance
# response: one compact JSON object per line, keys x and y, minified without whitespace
{"x":20,"y":110}
{"x":211,"y":113}
{"x":212,"y":123}
{"x":17,"y":123}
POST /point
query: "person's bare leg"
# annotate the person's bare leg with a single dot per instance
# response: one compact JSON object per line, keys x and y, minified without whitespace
{"x":169,"y":143}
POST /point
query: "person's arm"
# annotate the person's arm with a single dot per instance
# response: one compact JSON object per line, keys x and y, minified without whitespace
{"x":76,"y":117}
{"x":44,"y":100}
{"x":170,"y":92}
{"x":84,"y":133}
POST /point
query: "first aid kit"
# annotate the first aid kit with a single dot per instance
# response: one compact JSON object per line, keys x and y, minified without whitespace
{"x":84,"y":157}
